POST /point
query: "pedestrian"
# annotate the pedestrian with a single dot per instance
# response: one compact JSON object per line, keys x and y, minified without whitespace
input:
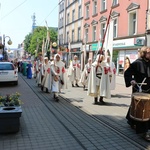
{"x":58,"y":76}
{"x":85,"y":74}
{"x":126,"y":63}
{"x":74,"y":73}
{"x":139,"y":73}
{"x":99,"y":81}
{"x":112,"y":73}
{"x":29,"y":70}
{"x":18,"y":64}
{"x":46,"y":82}
{"x":34,"y":68}
{"x":39,"y":70}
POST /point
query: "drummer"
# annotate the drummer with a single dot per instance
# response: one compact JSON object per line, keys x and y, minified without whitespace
{"x":138,"y":72}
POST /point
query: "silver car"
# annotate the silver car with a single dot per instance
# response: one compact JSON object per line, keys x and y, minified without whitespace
{"x":8,"y":73}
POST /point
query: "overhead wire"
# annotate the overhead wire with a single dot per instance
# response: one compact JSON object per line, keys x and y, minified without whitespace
{"x":49,"y":13}
{"x":13,"y":10}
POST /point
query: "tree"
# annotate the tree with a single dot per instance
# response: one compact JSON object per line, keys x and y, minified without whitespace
{"x":37,"y":38}
{"x":27,"y":42}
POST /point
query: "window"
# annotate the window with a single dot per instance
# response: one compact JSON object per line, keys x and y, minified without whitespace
{"x":72,"y":35}
{"x":73,"y":15}
{"x":103,"y":25}
{"x":6,"y":67}
{"x":68,"y":16}
{"x":94,"y":7}
{"x":61,"y":6}
{"x":103,"y":5}
{"x":68,"y":2}
{"x":132,"y":23}
{"x":61,"y":22}
{"x":86,"y":35}
{"x":115,"y":28}
{"x":115,"y":2}
{"x":79,"y":34}
{"x":87,"y":11}
{"x":94,"y":33}
{"x":62,"y":19}
{"x":60,"y":42}
{"x":61,"y":39}
{"x":79,"y":1}
{"x":79,"y":12}
{"x":67,"y":37}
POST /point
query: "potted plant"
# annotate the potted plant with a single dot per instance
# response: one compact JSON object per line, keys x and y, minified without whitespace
{"x":10,"y":113}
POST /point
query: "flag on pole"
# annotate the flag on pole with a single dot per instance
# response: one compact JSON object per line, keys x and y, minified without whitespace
{"x":108,"y":44}
{"x":43,"y":47}
{"x":47,"y":37}
{"x":107,"y":25}
{"x":99,"y":41}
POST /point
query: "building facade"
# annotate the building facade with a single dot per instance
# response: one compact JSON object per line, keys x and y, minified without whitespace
{"x":70,"y":32}
{"x":130,"y":24}
{"x":70,"y":29}
{"x":129,"y":27}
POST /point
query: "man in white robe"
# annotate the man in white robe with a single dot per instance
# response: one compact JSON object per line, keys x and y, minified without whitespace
{"x":39,"y":70}
{"x":85,"y":74}
{"x":99,"y":84}
{"x":46,"y":82}
{"x":74,"y":73}
{"x":58,"y":76}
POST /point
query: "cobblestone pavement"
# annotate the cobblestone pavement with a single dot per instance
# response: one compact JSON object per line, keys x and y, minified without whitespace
{"x":72,"y":124}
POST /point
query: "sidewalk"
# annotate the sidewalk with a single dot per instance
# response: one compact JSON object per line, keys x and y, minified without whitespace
{"x":120,"y":99}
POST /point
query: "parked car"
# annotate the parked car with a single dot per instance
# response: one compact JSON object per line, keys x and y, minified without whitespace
{"x":8,"y":73}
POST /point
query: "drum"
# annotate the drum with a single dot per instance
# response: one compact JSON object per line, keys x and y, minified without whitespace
{"x":140,"y":106}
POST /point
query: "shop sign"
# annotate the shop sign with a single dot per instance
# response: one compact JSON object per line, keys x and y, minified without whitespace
{"x":139,"y":41}
{"x":123,"y":43}
{"x":95,"y":46}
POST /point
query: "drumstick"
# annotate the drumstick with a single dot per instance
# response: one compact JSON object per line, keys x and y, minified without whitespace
{"x":142,"y":83}
{"x":140,"y":87}
{"x":144,"y":80}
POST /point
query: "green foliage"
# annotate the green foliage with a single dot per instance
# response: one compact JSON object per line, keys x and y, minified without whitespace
{"x":10,"y":100}
{"x":27,"y":42}
{"x":34,"y":40}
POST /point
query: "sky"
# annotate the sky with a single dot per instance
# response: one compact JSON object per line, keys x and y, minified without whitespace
{"x":16,"y":17}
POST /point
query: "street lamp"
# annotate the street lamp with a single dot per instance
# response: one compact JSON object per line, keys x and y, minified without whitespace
{"x":9,"y":43}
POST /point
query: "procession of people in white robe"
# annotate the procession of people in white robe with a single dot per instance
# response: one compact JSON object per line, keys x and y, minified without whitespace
{"x":85,"y":74}
{"x":101,"y":79}
{"x":74,"y":71}
{"x":98,"y":78}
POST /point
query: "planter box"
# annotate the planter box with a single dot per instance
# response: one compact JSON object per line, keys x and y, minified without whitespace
{"x":10,"y":119}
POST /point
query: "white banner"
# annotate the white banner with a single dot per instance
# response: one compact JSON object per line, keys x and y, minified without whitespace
{"x":108,"y":45}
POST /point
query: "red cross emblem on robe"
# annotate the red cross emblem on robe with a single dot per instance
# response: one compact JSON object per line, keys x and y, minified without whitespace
{"x":48,"y":70}
{"x":58,"y":70}
{"x":63,"y":70}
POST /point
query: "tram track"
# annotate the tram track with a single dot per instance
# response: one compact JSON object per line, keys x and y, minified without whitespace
{"x":71,"y":116}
